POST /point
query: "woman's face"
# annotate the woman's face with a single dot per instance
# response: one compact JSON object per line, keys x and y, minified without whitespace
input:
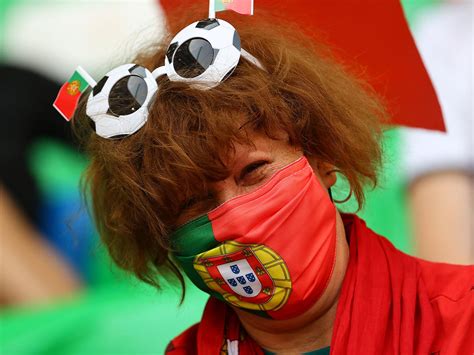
{"x":250,"y":166}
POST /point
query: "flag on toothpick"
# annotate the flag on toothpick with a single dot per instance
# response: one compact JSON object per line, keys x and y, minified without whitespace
{"x":244,"y":7}
{"x":69,"y":94}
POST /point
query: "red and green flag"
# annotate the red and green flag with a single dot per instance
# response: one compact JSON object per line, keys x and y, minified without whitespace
{"x":244,"y":7}
{"x":360,"y":31}
{"x":70,"y":92}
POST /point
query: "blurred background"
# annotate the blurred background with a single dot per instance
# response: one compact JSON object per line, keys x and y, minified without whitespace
{"x":60,"y":294}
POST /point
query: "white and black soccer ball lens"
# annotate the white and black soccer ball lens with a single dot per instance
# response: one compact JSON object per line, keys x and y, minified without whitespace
{"x":203,"y":53}
{"x":118,"y":104}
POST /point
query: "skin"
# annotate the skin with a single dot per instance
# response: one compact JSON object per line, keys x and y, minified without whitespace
{"x":251,"y":166}
{"x":31,"y":272}
{"x":442,"y":205}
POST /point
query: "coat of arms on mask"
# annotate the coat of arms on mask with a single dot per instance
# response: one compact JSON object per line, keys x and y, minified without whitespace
{"x":250,"y":276}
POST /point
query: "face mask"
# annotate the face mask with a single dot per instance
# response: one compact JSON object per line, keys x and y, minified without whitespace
{"x":271,"y":251}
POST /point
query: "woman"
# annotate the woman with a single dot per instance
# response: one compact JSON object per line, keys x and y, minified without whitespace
{"x":232,"y":186}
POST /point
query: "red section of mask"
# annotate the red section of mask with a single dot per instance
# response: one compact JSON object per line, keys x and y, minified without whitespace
{"x":293,"y":215}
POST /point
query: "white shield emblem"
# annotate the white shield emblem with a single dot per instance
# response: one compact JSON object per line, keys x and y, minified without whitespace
{"x":241,"y":278}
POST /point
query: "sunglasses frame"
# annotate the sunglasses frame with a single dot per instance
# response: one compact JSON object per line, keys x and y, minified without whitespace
{"x":224,"y":40}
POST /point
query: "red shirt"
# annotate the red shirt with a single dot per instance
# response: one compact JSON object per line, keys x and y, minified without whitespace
{"x":390,"y":303}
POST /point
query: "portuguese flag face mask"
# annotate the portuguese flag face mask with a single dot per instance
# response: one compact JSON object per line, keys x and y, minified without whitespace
{"x":271,"y":251}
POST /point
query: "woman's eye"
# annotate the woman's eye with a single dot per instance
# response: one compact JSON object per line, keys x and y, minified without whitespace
{"x":195,"y":201}
{"x":251,"y":170}
{"x":195,"y":206}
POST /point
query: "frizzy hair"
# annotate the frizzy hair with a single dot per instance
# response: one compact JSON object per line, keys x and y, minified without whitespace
{"x":138,"y":184}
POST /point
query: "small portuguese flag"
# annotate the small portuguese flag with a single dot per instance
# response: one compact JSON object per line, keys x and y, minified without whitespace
{"x":244,"y":7}
{"x":70,"y":92}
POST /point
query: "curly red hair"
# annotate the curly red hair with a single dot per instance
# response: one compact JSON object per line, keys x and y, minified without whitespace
{"x":138,"y":184}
